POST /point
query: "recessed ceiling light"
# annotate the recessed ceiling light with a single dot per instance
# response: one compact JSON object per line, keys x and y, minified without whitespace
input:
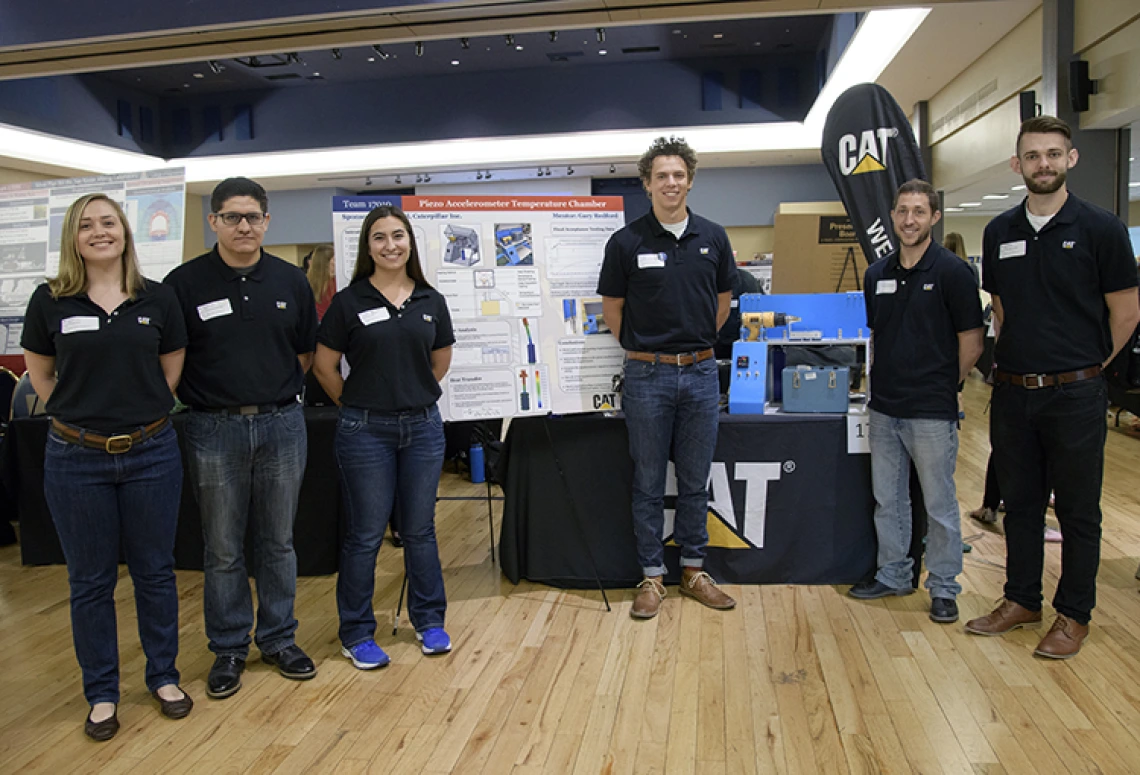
{"x":371,"y":59}
{"x":676,"y":32}
{"x":757,"y":43}
{"x":316,"y":75}
{"x":199,"y":75}
{"x":518,"y":48}
{"x":1018,"y":188}
{"x":969,"y":204}
{"x":602,"y":51}
{"x":718,"y":35}
{"x":996,"y":196}
{"x":455,"y":63}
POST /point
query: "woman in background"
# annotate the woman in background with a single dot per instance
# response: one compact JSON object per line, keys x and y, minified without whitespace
{"x":322,"y":277}
{"x":104,"y":348}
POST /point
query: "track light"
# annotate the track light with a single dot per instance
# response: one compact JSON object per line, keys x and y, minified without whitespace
{"x":569,"y":170}
{"x":548,"y":172}
{"x":510,"y":40}
{"x":427,"y":178}
{"x":295,"y":58}
{"x":464,"y":43}
{"x":380,"y":52}
{"x":419,"y":48}
{"x":419,"y":178}
{"x":479,"y":175}
{"x":487,"y":174}
{"x":216,"y":67}
{"x":368,"y":182}
{"x":553,"y":35}
{"x":336,"y":54}
{"x":540,"y":172}
{"x":601,"y":34}
{"x":613,"y":169}
{"x":398,"y":181}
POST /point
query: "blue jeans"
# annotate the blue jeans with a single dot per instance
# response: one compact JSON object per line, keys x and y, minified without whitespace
{"x":1051,"y":437}
{"x":99,"y":503}
{"x":671,"y":409}
{"x":382,"y":457}
{"x":246,"y":471}
{"x":933,"y":446}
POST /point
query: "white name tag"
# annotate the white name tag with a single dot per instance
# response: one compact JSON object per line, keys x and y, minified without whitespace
{"x":650,"y":260}
{"x":886,"y":286}
{"x":79,"y":323}
{"x":1012,"y":249}
{"x":215,"y":309}
{"x":370,"y":316}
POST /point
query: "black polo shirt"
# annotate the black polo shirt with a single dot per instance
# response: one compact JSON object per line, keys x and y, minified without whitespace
{"x":670,"y":285}
{"x":109,"y":378}
{"x":246,"y":331}
{"x":388,"y":348}
{"x":916,"y":315}
{"x":1052,"y":285}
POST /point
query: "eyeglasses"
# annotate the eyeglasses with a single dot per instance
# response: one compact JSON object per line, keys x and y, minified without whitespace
{"x":233,"y":219}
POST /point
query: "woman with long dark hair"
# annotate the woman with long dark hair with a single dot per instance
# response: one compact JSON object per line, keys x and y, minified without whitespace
{"x":104,"y":348}
{"x":395,"y":331}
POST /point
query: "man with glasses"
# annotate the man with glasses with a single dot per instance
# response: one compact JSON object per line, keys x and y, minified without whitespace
{"x":252,"y":326}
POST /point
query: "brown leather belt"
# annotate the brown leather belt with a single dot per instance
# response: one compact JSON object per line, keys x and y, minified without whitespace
{"x":1034,"y":381}
{"x":684,"y":359}
{"x":113,"y":445}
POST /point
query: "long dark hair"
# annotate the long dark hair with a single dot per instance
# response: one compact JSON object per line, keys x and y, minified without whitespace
{"x":365,"y":266}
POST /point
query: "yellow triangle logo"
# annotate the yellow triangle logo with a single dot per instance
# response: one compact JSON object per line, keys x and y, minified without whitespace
{"x":868,"y":164}
{"x":720,"y":534}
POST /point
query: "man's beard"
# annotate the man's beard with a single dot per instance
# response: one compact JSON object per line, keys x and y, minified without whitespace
{"x":1047,"y":185}
{"x":919,"y":239}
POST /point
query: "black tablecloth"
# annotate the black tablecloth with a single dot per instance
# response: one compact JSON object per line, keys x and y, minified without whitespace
{"x":316,"y":533}
{"x":817,"y":515}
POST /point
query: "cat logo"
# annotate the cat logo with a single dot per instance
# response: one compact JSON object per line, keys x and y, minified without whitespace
{"x":1068,"y":244}
{"x":867,"y":153}
{"x":282,"y":305}
{"x":144,"y":321}
{"x":728,"y":528}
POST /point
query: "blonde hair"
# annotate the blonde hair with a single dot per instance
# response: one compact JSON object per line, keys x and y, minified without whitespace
{"x":72,"y":277}
{"x":956,"y":245}
{"x":319,"y":278}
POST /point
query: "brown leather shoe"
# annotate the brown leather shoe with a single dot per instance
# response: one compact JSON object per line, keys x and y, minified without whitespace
{"x":697,"y":584}
{"x":1064,"y":639}
{"x":1007,"y":616}
{"x":649,"y":596}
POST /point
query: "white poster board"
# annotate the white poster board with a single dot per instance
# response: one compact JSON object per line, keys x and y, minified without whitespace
{"x":519,"y":274}
{"x":31,"y":221}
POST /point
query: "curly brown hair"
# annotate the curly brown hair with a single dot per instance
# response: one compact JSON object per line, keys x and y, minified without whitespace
{"x":667,"y":146}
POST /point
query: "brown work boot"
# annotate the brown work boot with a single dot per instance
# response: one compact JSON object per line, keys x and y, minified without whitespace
{"x":697,"y":584}
{"x":649,"y":596}
{"x":1007,"y":616}
{"x":1064,"y":639}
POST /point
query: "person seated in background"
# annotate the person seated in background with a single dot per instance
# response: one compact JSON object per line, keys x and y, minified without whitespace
{"x":112,"y":469}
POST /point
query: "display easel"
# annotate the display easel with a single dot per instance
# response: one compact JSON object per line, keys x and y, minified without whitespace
{"x":849,"y":259}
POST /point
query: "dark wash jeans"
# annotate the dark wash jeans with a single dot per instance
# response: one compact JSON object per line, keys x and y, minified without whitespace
{"x":1051,"y":437}
{"x":671,"y":410}
{"x":99,"y":503}
{"x":247,"y":469}
{"x":383,"y":457}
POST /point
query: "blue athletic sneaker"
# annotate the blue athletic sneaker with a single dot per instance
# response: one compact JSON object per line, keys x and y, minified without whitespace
{"x":366,"y":655}
{"x":434,"y":641}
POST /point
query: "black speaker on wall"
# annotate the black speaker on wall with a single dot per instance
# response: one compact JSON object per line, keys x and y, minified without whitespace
{"x":1080,"y":85}
{"x":1027,"y":102}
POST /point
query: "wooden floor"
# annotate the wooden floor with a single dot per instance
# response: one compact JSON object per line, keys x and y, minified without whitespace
{"x":796,"y":679}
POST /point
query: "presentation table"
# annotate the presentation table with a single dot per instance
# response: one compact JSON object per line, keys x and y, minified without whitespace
{"x":788,"y":503}
{"x":316,"y":533}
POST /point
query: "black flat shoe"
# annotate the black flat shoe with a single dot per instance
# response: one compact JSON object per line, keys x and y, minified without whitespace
{"x":175,"y":708}
{"x":102,"y":731}
{"x":291,"y":662}
{"x":225,"y":677}
{"x":874,"y":589}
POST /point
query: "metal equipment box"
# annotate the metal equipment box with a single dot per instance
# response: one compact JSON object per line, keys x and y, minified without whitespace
{"x":816,"y":389}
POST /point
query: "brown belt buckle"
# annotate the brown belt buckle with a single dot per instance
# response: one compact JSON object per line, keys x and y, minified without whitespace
{"x":117,"y":445}
{"x":1028,"y":378}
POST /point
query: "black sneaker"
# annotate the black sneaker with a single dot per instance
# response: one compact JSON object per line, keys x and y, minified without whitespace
{"x":291,"y":662}
{"x":873,"y":589}
{"x":225,"y":676}
{"x":943,"y":610}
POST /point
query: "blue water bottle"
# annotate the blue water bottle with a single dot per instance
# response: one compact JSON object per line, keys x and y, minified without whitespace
{"x":475,"y":460}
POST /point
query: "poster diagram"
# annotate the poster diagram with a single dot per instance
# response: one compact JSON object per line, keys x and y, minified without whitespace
{"x":31,"y":226}
{"x":519,"y":275}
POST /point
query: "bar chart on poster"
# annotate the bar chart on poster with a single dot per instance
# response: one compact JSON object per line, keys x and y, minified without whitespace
{"x":519,"y":274}
{"x":31,"y":223}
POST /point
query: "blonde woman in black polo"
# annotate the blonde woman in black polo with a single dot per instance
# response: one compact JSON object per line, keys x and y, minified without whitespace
{"x":104,"y":349}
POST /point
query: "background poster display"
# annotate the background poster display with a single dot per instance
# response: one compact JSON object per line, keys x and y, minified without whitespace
{"x":31,"y":221}
{"x":519,"y":274}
